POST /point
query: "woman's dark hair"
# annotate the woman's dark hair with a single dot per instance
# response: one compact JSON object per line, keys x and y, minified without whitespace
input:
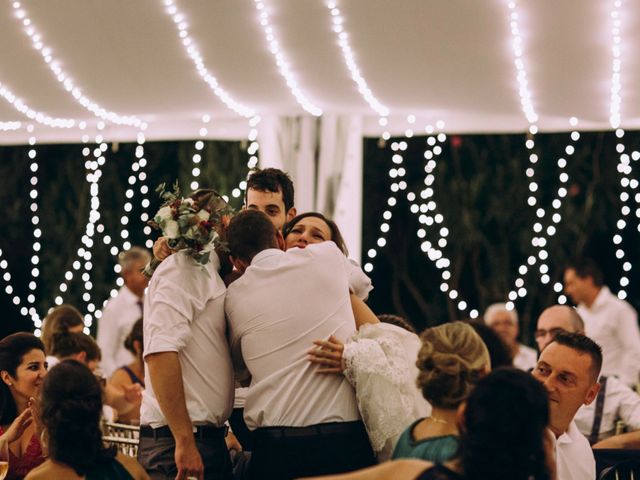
{"x":71,"y":343}
{"x":134,"y":334}
{"x":504,"y":427}
{"x":12,"y":349}
{"x":71,"y":406}
{"x":336,"y":236}
{"x":59,"y":319}
{"x":499,"y":352}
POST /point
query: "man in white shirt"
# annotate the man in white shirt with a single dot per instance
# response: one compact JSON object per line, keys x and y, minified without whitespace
{"x":122,"y":311}
{"x":569,"y":367}
{"x":615,"y":400}
{"x":188,"y":372}
{"x":505,"y":323}
{"x":304,"y":423}
{"x":611,"y":322}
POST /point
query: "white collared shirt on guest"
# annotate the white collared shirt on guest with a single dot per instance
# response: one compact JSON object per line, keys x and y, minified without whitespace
{"x":620,"y":403}
{"x":613,"y":324}
{"x":574,"y":457}
{"x":280,"y":305}
{"x":118,"y":317}
{"x":184,"y":313}
{"x":526,"y":358}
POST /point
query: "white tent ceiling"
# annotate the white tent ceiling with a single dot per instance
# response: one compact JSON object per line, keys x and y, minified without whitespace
{"x":435,"y":59}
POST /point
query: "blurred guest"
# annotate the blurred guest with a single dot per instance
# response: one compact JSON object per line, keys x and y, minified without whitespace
{"x":122,"y":311}
{"x":608,"y":320}
{"x":499,"y":352}
{"x":569,"y":367}
{"x":451,"y":361}
{"x":22,"y":370}
{"x":505,"y":324}
{"x":615,"y":400}
{"x":131,"y":374}
{"x":503,"y":436}
{"x":70,"y":411}
{"x":61,"y":319}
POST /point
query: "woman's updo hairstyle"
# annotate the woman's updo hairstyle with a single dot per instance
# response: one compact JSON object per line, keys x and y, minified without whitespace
{"x":71,"y":406}
{"x":451,"y":360}
{"x":59,"y":320}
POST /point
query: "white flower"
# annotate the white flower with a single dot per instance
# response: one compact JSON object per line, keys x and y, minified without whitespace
{"x":171,"y":229}
{"x":203,"y":215}
{"x":165,"y":213}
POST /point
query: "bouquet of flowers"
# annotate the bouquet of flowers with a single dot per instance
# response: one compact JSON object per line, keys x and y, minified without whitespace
{"x":191,"y":223}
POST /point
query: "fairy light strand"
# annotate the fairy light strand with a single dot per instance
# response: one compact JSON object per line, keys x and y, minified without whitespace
{"x":337,"y":21}
{"x":36,"y":116}
{"x":193,"y":52}
{"x":63,"y":77}
{"x":282,"y":62}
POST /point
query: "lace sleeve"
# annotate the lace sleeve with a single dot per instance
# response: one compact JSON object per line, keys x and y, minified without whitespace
{"x":380,"y":364}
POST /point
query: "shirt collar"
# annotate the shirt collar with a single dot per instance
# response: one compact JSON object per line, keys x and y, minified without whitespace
{"x":128,"y":295}
{"x":567,"y":437}
{"x":603,"y":296}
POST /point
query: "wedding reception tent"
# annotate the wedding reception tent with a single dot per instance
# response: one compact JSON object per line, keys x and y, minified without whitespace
{"x":301,"y":83}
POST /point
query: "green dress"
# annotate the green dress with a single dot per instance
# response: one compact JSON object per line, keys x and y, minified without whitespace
{"x":435,"y":449}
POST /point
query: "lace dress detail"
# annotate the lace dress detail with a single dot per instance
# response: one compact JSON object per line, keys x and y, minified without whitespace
{"x":380,"y":364}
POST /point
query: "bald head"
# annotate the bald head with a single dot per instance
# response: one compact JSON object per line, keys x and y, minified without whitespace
{"x":555,"y":319}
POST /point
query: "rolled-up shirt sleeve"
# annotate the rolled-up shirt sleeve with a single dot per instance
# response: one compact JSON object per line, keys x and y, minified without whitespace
{"x":169,"y":309}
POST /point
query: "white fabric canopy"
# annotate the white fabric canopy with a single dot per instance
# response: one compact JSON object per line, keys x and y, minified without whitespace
{"x":451,"y":60}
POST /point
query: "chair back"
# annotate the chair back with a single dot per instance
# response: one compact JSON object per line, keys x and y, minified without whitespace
{"x":124,"y":437}
{"x":626,"y":470}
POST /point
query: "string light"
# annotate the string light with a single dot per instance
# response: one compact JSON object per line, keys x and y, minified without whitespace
{"x":193,"y":52}
{"x":519,"y":62}
{"x":349,"y":59}
{"x":196,"y":159}
{"x":32,"y":114}
{"x":26,"y":306}
{"x":62,"y":76}
{"x":10,"y":126}
{"x":627,"y":184}
{"x":282,"y":62}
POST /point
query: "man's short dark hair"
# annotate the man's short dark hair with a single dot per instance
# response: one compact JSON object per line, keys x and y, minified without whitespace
{"x":66,"y":344}
{"x":396,"y":320}
{"x":271,"y":180}
{"x":583,"y":344}
{"x":586,"y":267}
{"x":249,"y":233}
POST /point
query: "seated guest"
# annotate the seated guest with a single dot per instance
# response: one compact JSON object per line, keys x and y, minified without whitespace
{"x":22,"y":370}
{"x":303,"y":423}
{"x":131,"y":374}
{"x":499,"y":353}
{"x":505,"y":323}
{"x":70,"y":410}
{"x":503,"y":436}
{"x":83,"y":348}
{"x":615,"y":401}
{"x":61,"y":319}
{"x":451,"y":361}
{"x":569,"y":367}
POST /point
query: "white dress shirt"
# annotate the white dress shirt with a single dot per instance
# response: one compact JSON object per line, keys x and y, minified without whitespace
{"x":282,"y":303}
{"x":620,"y":403}
{"x":613,"y":324}
{"x":184,"y":313}
{"x":526,"y":358}
{"x":118,"y":317}
{"x":574,"y":457}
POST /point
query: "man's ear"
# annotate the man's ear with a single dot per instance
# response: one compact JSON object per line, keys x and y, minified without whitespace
{"x":462,"y":408}
{"x":81,"y":357}
{"x":291,"y":213}
{"x":280,"y":239}
{"x":592,"y":393}
{"x":238,"y":264}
